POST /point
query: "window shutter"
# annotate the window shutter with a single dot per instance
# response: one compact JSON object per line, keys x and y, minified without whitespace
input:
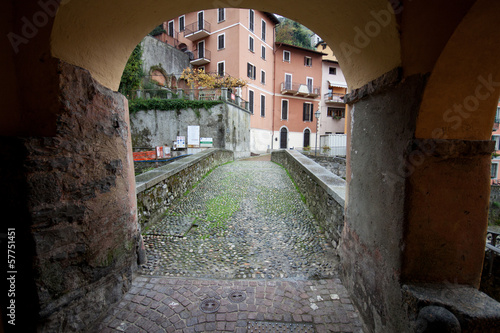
{"x":304,"y":111}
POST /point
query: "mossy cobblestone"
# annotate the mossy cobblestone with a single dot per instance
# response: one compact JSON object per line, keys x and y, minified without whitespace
{"x":249,"y":222}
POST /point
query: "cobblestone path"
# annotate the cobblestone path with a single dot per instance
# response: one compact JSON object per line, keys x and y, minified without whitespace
{"x":239,"y":253}
{"x":245,"y":220}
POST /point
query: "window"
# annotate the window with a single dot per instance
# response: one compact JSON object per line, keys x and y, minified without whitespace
{"x":286,"y":56}
{"x":284,"y":109}
{"x":496,"y":138}
{"x":201,"y":68}
{"x":262,"y":77}
{"x":201,"y":20}
{"x":262,"y":105}
{"x":310,"y":85}
{"x":251,"y":71}
{"x":220,"y":68}
{"x":263,"y":52}
{"x":308,"y":61}
{"x":182,"y":23}
{"x":252,"y":20}
{"x":307,"y":112}
{"x":332,"y":71}
{"x":221,"y":42}
{"x":263,"y":35}
{"x":335,"y":112}
{"x":250,"y":43}
{"x":494,"y":170}
{"x":250,"y":100}
{"x":171,"y":29}
{"x":288,"y":81}
{"x":221,"y":15}
{"x":201,"y":49}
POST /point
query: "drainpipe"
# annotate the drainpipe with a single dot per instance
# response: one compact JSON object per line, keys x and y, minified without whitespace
{"x":274,"y":86}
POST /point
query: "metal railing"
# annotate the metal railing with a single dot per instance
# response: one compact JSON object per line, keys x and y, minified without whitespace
{"x":218,"y":94}
{"x":201,"y":54}
{"x":236,"y":100}
{"x":197,"y":26}
{"x":493,"y":245}
{"x":334,"y":97}
{"x":299,"y":88}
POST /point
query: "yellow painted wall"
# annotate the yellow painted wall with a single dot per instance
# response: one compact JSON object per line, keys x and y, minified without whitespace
{"x":458,"y":102}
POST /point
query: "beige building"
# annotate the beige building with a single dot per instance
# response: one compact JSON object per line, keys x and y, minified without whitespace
{"x":334,"y":88}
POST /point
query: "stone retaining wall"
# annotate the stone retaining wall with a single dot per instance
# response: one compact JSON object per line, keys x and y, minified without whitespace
{"x":324,"y":192}
{"x":157,"y":189}
{"x":334,"y":164}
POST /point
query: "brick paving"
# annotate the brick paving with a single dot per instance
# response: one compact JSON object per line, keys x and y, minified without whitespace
{"x":161,"y":304}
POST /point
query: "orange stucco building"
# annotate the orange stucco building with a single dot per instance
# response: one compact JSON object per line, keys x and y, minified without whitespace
{"x":235,"y":42}
{"x":241,"y":43}
{"x":297,"y":96}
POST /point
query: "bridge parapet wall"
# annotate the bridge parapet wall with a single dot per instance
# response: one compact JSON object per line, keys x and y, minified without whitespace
{"x":157,"y":189}
{"x":324,"y":192}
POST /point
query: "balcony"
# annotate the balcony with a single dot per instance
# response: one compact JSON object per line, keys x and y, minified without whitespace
{"x":201,"y":57}
{"x":197,"y":30}
{"x":299,"y":89}
{"x":334,"y":98}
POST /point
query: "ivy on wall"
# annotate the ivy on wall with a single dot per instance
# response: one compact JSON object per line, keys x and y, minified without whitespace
{"x":132,"y":74}
{"x":141,"y":104}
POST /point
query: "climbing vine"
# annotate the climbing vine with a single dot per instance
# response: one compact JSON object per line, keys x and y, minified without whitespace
{"x":140,"y":104}
{"x":132,"y":74}
{"x":199,"y":78}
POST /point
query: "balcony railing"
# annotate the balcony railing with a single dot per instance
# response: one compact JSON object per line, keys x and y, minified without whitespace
{"x":332,"y":97}
{"x":223,"y":94}
{"x":300,"y":89}
{"x":201,"y":57}
{"x":492,"y":245}
{"x":197,"y":30}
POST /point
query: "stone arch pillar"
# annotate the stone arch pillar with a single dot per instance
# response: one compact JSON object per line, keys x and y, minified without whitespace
{"x":448,"y":163}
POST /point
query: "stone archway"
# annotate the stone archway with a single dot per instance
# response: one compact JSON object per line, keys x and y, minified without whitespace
{"x":61,"y":78}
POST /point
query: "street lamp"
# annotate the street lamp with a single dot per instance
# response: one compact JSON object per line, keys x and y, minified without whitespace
{"x":317,"y":114}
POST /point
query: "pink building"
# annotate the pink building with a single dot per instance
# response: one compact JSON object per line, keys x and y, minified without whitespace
{"x":495,"y":157}
{"x":239,"y":43}
{"x":283,"y":81}
{"x":297,"y":96}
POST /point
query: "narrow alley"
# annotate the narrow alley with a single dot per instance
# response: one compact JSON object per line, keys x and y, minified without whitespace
{"x":240,"y":252}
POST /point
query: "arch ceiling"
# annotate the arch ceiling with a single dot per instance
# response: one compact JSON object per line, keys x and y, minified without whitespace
{"x":460,"y":98}
{"x":100,"y":35}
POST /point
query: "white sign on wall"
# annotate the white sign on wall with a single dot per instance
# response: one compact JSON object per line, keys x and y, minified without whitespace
{"x":181,"y":142}
{"x":193,"y":136}
{"x":206,"y":142}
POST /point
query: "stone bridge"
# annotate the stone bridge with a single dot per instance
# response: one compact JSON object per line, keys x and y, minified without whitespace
{"x":246,"y":248}
{"x":418,"y":164}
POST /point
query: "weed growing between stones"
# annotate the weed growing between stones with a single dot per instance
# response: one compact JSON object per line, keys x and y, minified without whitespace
{"x":250,"y":222}
{"x":302,"y":197}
